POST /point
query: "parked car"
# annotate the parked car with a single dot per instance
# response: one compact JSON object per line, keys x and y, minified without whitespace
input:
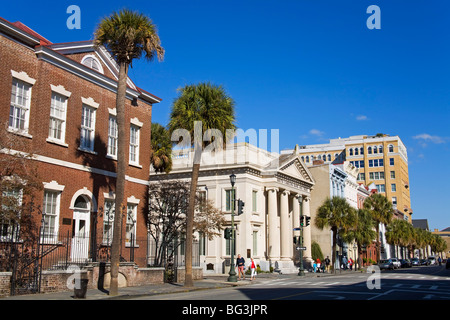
{"x":386,"y":264}
{"x":415,"y":262}
{"x":405,"y":263}
{"x":396,"y":263}
{"x":424,"y":262}
{"x":447,"y":265}
{"x":432,"y":260}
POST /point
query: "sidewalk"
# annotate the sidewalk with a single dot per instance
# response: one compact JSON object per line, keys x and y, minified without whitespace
{"x":209,"y":281}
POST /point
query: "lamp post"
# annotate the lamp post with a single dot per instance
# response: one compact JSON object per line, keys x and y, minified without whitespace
{"x":301,"y":271}
{"x":232,"y":273}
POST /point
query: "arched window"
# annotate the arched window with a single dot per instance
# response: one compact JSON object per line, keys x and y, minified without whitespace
{"x":81,"y":203}
{"x":369,"y":150}
{"x":324,"y":158}
{"x":307,"y":159}
{"x":356,"y":151}
{"x":375,"y":149}
{"x":380,"y":149}
{"x":350,"y":151}
{"x":329,"y":157}
{"x":303,"y":158}
{"x":391,"y":148}
{"x":362,"y":150}
{"x":92,"y":62}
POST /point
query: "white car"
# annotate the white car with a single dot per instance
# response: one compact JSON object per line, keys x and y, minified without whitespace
{"x":396,"y":263}
{"x":432,"y":260}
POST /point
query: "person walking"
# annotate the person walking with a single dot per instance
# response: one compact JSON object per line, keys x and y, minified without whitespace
{"x":240,"y":263}
{"x":253,"y":269}
{"x":327,"y":264}
{"x":318,"y":264}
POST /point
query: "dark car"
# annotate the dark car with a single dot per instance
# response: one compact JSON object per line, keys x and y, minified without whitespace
{"x":447,"y":265}
{"x":415,"y":262}
{"x":424,"y":262}
{"x":405,"y":263}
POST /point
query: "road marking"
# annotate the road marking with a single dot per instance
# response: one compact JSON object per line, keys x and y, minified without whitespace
{"x":415,"y":286}
{"x":331,"y":284}
{"x":293,"y":295}
{"x":434,"y":287}
{"x":398,"y":285}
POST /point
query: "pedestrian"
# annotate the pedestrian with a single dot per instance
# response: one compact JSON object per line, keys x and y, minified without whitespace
{"x":314,"y":266}
{"x":240,"y":263}
{"x":253,"y":269}
{"x":440,"y":261}
{"x":344,"y":262}
{"x":350,"y":263}
{"x":318,"y":264}
{"x":327,"y":264}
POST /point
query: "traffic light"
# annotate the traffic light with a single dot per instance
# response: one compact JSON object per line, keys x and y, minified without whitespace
{"x":302,"y":221}
{"x":308,"y":220}
{"x":241,"y":205}
{"x":228,"y":233}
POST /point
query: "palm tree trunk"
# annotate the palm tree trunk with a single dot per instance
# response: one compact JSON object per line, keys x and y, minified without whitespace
{"x":120,"y":180}
{"x":188,"y":281}
{"x":378,"y":242}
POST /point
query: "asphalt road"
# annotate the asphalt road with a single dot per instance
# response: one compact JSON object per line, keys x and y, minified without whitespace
{"x":423,"y":283}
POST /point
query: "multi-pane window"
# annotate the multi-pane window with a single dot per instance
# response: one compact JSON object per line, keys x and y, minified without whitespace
{"x":376,"y":175}
{"x":50,"y":213}
{"x":391,"y":161}
{"x":20,"y":105}
{"x":229,"y":199}
{"x":131,"y":223}
{"x":112,"y":136}
{"x":108,"y":221}
{"x":381,"y":188}
{"x":361,"y":176}
{"x":392,"y":174}
{"x":255,"y":243}
{"x":393,"y":187}
{"x":87,"y":131}
{"x":254,"y":201}
{"x":134,"y":144}
{"x":57,"y":126}
{"x":376,"y":163}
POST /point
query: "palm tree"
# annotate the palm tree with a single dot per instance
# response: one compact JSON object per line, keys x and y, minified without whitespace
{"x":127,"y":35}
{"x":161,"y":156}
{"x":382,"y":211}
{"x":199,"y":108}
{"x":398,"y":233}
{"x":337,"y":214}
{"x":363,"y":232}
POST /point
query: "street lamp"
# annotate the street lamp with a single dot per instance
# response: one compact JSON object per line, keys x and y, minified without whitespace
{"x":301,"y":271}
{"x":232,"y":274}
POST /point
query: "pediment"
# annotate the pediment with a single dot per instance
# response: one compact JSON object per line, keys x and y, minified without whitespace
{"x":295,"y":168}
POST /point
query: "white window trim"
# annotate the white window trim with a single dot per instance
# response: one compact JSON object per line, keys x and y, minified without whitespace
{"x":137,"y":145}
{"x":96,"y":59}
{"x":109,"y":155}
{"x":63,"y":92}
{"x":50,"y":187}
{"x":94,"y":118}
{"x":23,"y":76}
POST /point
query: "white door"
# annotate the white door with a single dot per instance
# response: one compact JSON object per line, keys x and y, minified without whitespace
{"x":80,"y":235}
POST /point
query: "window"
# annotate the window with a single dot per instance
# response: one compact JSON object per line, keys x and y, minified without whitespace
{"x":361,"y":176}
{"x":392,"y":174}
{"x":131,"y":224}
{"x":391,"y":161}
{"x":393,"y":187}
{"x":307,"y":159}
{"x":92,"y":63}
{"x":134,"y":144}
{"x":329,"y":157}
{"x":350,"y":152}
{"x":57,"y":126}
{"x":255,"y":243}
{"x":375,"y":149}
{"x":112,"y":137}
{"x":381,"y":188}
{"x":376,"y":175}
{"x":87,"y":128}
{"x":108,"y":221}
{"x":201,"y":244}
{"x":51,"y":213}
{"x":380,"y":149}
{"x":391,"y":148}
{"x":369,"y":150}
{"x":376,"y":163}
{"x":254,"y":201}
{"x":394,"y":201}
{"x":229,"y":200}
{"x":356,"y":151}
{"x":19,"y":112}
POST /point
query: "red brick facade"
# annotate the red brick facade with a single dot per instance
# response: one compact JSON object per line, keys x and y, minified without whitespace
{"x":64,"y":167}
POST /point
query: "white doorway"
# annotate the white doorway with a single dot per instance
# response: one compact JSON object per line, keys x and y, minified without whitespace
{"x":80,"y":230}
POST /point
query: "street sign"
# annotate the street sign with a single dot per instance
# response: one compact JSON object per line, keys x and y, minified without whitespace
{"x":296,"y":229}
{"x":301,"y":248}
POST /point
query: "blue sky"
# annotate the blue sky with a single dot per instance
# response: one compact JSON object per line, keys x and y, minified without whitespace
{"x":311,"y":69}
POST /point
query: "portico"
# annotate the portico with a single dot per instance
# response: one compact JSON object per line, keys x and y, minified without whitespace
{"x":271,"y":186}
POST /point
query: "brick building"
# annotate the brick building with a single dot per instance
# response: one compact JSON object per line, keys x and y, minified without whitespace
{"x":60,"y":100}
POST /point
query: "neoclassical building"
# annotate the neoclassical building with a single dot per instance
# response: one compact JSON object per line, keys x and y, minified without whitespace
{"x":275,"y":188}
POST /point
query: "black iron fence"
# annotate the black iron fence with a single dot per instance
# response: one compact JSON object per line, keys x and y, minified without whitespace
{"x":27,"y":258}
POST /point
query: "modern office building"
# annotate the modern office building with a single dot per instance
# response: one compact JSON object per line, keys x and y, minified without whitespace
{"x":381,"y":160}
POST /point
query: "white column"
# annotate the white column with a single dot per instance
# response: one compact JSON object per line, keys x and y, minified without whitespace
{"x":274,"y":232}
{"x":296,"y":213}
{"x":307,"y":230}
{"x":285,"y":230}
